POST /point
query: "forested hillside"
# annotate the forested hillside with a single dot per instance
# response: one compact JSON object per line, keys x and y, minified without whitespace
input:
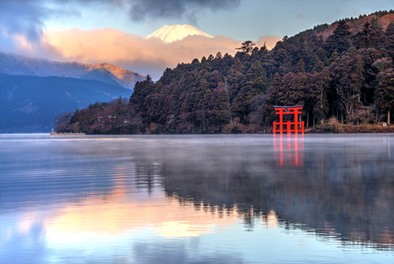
{"x":343,"y":70}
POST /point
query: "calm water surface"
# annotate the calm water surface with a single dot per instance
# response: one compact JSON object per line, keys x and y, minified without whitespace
{"x":197,"y":199}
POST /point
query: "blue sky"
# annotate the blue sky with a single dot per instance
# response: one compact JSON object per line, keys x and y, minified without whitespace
{"x":87,"y":31}
{"x":239,"y":19}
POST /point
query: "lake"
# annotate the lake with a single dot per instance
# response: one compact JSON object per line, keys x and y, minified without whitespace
{"x":197,"y":199}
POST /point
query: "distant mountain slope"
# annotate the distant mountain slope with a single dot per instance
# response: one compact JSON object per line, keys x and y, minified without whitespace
{"x":171,"y":33}
{"x":17,"y":65}
{"x":383,"y":19}
{"x":102,"y":75}
{"x":31,"y":103}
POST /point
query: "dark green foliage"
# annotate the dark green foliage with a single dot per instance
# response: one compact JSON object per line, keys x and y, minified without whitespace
{"x":116,"y":117}
{"x":384,"y":94}
{"x":389,"y":39}
{"x":340,"y":40}
{"x":347,"y":77}
{"x":370,"y":36}
{"x":247,"y":47}
{"x":347,"y":74}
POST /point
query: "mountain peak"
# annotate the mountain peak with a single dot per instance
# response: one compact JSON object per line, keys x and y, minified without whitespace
{"x":172,"y":33}
{"x":118,"y":72}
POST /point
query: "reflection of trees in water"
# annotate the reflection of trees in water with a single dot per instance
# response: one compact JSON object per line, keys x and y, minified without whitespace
{"x":147,"y":176}
{"x":345,"y":190}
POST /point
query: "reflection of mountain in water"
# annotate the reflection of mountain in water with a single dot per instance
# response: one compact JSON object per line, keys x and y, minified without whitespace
{"x":345,"y":188}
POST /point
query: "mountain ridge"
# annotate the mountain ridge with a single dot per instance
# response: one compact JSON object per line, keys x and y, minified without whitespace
{"x":20,"y":65}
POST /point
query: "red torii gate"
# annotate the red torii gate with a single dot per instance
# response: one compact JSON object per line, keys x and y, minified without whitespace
{"x":288,"y":127}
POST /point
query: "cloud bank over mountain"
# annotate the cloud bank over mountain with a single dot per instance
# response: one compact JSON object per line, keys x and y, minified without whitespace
{"x":26,"y":19}
{"x":139,"y":54}
{"x":146,"y":56}
{"x":24,"y":31}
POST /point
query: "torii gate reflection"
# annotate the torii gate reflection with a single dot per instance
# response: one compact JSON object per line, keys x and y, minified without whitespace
{"x":289,"y":150}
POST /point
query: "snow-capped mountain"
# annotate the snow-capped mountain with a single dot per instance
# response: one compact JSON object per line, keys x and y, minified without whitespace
{"x":171,"y":33}
{"x":107,"y":73}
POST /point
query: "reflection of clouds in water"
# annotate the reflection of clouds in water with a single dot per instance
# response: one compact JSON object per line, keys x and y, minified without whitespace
{"x":176,"y":252}
{"x":118,"y":212}
{"x":92,"y":225}
{"x":26,"y":223}
{"x":112,"y":218}
{"x":271,"y":220}
{"x":175,"y":229}
{"x":20,"y":240}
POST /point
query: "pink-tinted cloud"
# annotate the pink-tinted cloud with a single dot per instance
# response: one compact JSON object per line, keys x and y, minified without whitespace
{"x":133,"y":52}
{"x":24,"y":31}
{"x":145,"y":56}
{"x":268,"y":41}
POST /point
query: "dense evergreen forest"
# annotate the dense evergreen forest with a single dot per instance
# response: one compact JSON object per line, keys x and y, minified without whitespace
{"x":343,"y":71}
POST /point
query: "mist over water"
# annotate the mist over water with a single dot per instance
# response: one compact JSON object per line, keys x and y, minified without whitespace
{"x":197,"y":199}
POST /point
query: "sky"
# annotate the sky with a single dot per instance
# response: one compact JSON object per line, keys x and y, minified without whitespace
{"x":113,"y":31}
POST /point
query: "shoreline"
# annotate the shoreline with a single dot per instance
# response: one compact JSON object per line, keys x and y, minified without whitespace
{"x":338,"y":128}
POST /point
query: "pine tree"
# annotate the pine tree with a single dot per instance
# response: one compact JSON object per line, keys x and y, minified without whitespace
{"x":389,"y":39}
{"x":384,"y":95}
{"x":347,"y":78}
{"x":247,"y":47}
{"x":340,"y":40}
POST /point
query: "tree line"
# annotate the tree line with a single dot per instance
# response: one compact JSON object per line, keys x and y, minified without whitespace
{"x":347,"y":74}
